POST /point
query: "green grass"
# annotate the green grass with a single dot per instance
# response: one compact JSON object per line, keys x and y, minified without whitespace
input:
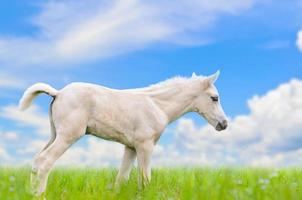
{"x":198,"y":183}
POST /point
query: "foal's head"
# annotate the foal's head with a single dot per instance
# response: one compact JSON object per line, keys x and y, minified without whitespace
{"x":207,"y":103}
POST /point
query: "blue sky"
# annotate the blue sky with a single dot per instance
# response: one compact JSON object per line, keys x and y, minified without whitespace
{"x":129,"y":44}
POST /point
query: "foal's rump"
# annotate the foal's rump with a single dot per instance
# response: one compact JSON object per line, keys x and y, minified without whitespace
{"x":73,"y":95}
{"x":67,"y":112}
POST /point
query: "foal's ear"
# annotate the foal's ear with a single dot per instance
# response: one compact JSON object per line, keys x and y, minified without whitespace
{"x":194,"y":75}
{"x":211,"y":79}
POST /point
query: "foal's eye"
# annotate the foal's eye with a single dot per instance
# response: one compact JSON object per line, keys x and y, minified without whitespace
{"x":214,"y":98}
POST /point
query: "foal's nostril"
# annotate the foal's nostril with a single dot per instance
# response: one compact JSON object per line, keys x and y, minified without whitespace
{"x":222,"y":125}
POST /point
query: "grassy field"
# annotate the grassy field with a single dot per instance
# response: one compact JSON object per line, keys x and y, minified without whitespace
{"x":167,"y":184}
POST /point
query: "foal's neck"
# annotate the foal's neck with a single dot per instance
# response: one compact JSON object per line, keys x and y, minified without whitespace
{"x":177,"y":100}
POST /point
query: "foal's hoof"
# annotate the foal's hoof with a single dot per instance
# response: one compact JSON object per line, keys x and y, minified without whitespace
{"x":120,"y":182}
{"x":38,"y":195}
{"x":110,"y":186}
{"x":41,"y":196}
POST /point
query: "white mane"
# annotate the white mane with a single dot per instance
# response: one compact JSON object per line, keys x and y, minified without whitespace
{"x":175,"y":82}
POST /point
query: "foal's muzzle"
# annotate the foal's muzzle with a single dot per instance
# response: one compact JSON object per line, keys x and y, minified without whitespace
{"x":222,"y":125}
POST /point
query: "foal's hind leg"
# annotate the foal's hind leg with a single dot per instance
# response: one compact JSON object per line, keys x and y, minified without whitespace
{"x":45,"y":160}
{"x":33,"y":177}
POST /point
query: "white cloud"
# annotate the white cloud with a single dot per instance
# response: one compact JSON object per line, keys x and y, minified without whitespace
{"x":3,"y":154}
{"x":270,"y":135}
{"x":5,"y":157}
{"x":33,"y":117}
{"x":9,"y":82}
{"x":299,"y":40}
{"x":97,"y":152}
{"x":276,"y":44}
{"x":33,"y":147}
{"x":9,"y":135}
{"x":71,"y":31}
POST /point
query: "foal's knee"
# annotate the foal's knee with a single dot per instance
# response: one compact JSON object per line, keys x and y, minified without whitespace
{"x":40,"y":166}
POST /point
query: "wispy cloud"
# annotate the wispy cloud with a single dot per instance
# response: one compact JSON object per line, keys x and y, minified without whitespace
{"x":9,"y":135}
{"x":96,"y":152}
{"x":276,"y":44}
{"x":9,"y":82}
{"x":4,"y":156}
{"x":33,"y":117}
{"x":73,"y":31}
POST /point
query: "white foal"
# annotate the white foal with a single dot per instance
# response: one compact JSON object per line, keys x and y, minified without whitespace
{"x":133,"y":117}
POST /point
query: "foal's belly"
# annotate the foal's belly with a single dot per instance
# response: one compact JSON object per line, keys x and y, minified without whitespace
{"x":109,"y":133}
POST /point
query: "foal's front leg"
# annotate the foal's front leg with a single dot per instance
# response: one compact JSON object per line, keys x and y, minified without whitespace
{"x":144,"y":152}
{"x":126,"y":166}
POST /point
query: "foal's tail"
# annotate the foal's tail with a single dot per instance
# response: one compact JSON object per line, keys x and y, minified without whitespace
{"x":33,"y":91}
